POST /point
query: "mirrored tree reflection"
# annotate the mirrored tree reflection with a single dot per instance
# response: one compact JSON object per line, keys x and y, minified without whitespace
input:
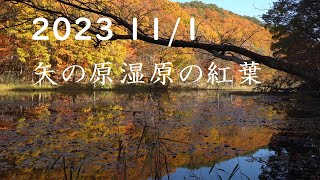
{"x":135,"y":135}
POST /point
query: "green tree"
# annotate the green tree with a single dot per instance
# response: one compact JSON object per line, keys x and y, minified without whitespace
{"x":295,"y":24}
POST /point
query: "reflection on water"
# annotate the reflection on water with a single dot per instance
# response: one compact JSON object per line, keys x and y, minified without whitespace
{"x":147,"y":135}
{"x":250,"y":166}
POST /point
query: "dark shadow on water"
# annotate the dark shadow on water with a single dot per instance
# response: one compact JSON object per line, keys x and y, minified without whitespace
{"x":297,"y":144}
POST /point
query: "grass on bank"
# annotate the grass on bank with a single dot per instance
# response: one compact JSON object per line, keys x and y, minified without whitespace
{"x":71,"y":87}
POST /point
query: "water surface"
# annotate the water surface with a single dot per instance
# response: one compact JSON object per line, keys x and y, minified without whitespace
{"x":168,"y":135}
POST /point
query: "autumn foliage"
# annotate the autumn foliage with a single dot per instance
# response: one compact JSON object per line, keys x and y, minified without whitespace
{"x":213,"y":24}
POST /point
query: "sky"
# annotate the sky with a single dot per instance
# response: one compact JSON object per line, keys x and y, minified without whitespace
{"x":253,"y":8}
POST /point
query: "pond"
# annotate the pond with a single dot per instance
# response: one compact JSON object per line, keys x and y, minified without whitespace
{"x":159,"y":135}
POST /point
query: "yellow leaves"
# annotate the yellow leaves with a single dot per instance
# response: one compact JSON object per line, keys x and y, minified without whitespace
{"x":170,"y":6}
{"x":117,"y":107}
{"x":36,"y":153}
{"x":21,"y":124}
{"x":22,"y":54}
{"x":214,"y":134}
{"x":86,"y":109}
{"x":109,"y":116}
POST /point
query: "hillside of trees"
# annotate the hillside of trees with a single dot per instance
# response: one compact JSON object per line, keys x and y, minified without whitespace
{"x":290,"y":46}
{"x":20,"y":55}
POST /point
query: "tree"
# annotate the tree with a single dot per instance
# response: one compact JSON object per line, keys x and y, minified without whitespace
{"x":295,"y":25}
{"x":122,"y":12}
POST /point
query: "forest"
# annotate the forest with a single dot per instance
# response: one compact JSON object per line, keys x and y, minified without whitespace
{"x":100,"y":111}
{"x":221,"y":37}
